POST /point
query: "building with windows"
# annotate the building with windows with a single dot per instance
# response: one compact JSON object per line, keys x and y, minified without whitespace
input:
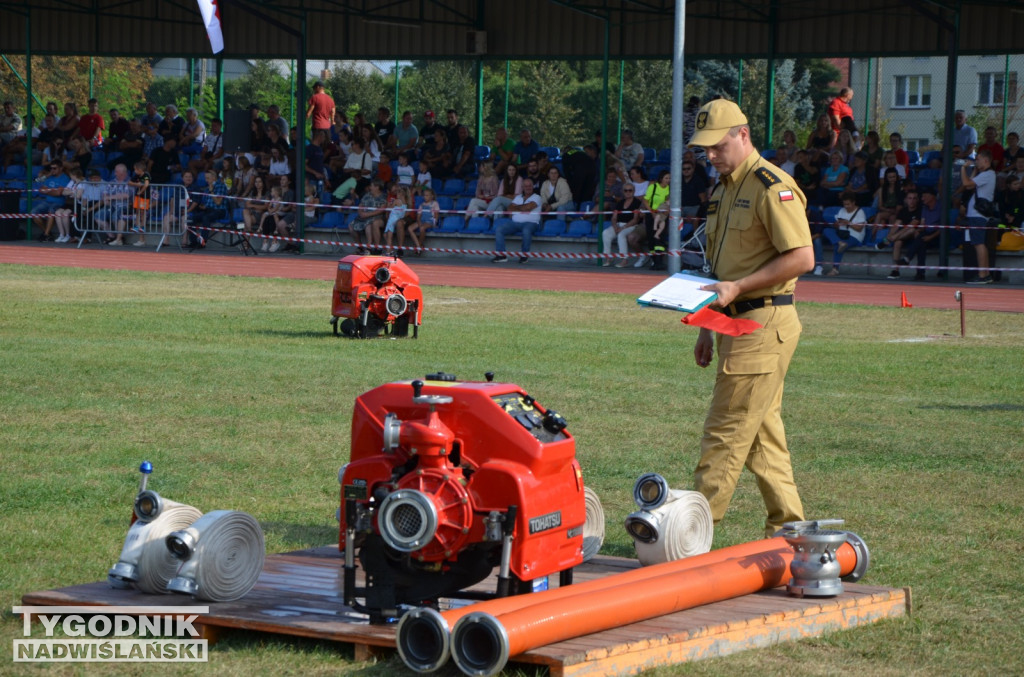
{"x":908,"y":95}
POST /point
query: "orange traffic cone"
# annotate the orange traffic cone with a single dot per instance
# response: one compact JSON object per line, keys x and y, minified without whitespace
{"x":904,"y":303}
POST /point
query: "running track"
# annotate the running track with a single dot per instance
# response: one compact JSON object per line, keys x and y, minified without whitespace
{"x":536,"y":274}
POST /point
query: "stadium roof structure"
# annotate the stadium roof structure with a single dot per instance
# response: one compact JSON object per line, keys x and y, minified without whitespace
{"x":525,"y":29}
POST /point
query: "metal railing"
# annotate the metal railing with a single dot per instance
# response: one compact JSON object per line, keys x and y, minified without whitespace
{"x":119,"y":210}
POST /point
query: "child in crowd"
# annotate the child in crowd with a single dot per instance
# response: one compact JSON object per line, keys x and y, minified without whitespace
{"x":406,"y":174}
{"x":311,"y":201}
{"x":140,"y":182}
{"x":423,"y":179}
{"x":384,"y":167}
{"x":268,"y":224}
{"x":429,"y":215}
{"x":399,"y":204}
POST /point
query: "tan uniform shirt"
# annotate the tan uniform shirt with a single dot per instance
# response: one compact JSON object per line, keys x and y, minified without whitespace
{"x":755,"y":214}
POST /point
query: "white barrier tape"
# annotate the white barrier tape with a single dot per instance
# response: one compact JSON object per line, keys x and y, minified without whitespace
{"x":576,"y":256}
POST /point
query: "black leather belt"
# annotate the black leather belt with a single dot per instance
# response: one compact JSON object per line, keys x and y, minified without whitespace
{"x":741,"y":307}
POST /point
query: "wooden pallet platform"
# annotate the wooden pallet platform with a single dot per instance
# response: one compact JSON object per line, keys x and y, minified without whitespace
{"x":299,"y":594}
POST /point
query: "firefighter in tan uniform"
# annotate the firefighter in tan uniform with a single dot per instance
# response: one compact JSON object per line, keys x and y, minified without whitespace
{"x":758,"y":243}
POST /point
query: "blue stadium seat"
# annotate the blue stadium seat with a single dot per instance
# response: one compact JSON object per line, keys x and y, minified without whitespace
{"x":334,"y":220}
{"x":552,"y":152}
{"x":928,"y":177}
{"x":829,"y":215}
{"x":462,"y":203}
{"x":500,"y":221}
{"x":445,"y":203}
{"x":580,"y":228}
{"x":482,"y":153}
{"x":478,"y":224}
{"x":470,"y":188}
{"x":15,"y":172}
{"x":768,"y":153}
{"x":650,"y":155}
{"x":932,"y":155}
{"x":665,"y":155}
{"x":452,"y":187}
{"x":437,"y":185}
{"x":553,"y":228}
{"x":914,"y":157}
{"x":450,"y":224}
{"x":417,"y":201}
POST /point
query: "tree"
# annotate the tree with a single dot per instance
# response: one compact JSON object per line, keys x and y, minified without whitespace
{"x":118,"y":82}
{"x":438,"y":86}
{"x":355,"y":91}
{"x":647,"y":102}
{"x":544,"y":106}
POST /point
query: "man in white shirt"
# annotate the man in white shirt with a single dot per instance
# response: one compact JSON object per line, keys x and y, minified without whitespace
{"x":526,"y":209}
{"x":629,"y":151}
{"x":783,"y":161}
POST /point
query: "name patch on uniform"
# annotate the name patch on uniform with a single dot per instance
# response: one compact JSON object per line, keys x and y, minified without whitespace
{"x":766,"y":177}
{"x":713,"y":207}
{"x":785,"y":195}
{"x":742,"y":203}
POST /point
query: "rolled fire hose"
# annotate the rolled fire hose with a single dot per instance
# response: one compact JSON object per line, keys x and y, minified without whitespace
{"x":145,"y":561}
{"x":423,"y":634}
{"x":684,"y":526}
{"x":221,"y":556}
{"x":593,"y":527}
{"x":481,"y":643}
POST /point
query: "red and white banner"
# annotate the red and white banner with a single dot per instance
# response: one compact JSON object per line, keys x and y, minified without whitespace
{"x":211,"y":19}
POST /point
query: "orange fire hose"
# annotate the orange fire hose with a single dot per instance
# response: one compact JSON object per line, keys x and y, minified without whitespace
{"x":423,"y":634}
{"x":482,"y":643}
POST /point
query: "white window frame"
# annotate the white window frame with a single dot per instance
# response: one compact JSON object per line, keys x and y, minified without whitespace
{"x":914,"y":83}
{"x":994,"y":94}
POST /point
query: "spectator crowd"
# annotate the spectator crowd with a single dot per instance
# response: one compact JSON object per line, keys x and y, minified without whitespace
{"x":390,"y":181}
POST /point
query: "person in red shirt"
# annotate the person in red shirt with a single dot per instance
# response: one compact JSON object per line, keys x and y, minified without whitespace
{"x":91,"y":125}
{"x":321,"y":108}
{"x":840,"y":108}
{"x":896,"y":143}
{"x":994,"y":147}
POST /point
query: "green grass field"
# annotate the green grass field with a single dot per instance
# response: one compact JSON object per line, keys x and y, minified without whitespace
{"x":238,"y":393}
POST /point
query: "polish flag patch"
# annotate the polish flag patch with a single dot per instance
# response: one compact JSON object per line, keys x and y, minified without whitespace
{"x":785,"y":195}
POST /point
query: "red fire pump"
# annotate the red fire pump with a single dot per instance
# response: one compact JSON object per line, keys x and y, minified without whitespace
{"x":449,"y":479}
{"x":375,"y":295}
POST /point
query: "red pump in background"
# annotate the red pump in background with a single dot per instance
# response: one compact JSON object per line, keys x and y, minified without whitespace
{"x":375,"y":296}
{"x":449,"y":479}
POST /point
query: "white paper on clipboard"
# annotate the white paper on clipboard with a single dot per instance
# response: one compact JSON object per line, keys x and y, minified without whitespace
{"x":680,"y":292}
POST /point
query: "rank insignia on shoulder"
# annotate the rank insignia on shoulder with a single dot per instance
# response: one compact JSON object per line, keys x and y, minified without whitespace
{"x":766,"y":177}
{"x":712,"y":207}
{"x":785,"y":195}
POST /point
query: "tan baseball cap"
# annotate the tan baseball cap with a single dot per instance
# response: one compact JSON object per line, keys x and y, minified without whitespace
{"x":714,"y":120}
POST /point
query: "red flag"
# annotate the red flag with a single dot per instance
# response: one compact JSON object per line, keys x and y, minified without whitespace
{"x":707,"y":318}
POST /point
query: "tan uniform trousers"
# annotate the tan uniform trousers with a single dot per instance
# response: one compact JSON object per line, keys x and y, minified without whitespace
{"x":744,"y":424}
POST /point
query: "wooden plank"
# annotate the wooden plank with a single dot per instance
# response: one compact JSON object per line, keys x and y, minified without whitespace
{"x":299,"y":594}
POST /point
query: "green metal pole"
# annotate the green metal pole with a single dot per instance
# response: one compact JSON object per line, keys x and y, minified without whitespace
{"x":622,"y":83}
{"x":739,"y":90}
{"x":604,"y":138}
{"x":191,"y":82}
{"x":867,"y":101}
{"x":28,"y":131}
{"x":508,"y":76}
{"x":480,"y":101}
{"x":397,"y":76}
{"x":291,"y":111}
{"x":92,"y":76}
{"x":31,"y":94}
{"x":1006,"y":95}
{"x":220,"y":86}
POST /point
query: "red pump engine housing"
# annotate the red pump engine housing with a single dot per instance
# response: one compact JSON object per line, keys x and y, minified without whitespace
{"x":374,"y":295}
{"x":448,"y":479}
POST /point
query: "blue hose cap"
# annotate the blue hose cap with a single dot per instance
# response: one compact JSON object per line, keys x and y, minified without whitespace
{"x":146,"y":468}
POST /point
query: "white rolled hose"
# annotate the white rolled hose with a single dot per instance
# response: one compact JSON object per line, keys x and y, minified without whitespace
{"x":221,"y":556}
{"x":145,"y":562}
{"x":680,"y":527}
{"x":593,"y":527}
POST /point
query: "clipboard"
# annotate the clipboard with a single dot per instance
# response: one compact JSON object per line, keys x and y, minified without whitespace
{"x":679,"y":292}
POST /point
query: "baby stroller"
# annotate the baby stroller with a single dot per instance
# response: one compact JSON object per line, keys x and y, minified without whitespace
{"x":693,"y":259}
